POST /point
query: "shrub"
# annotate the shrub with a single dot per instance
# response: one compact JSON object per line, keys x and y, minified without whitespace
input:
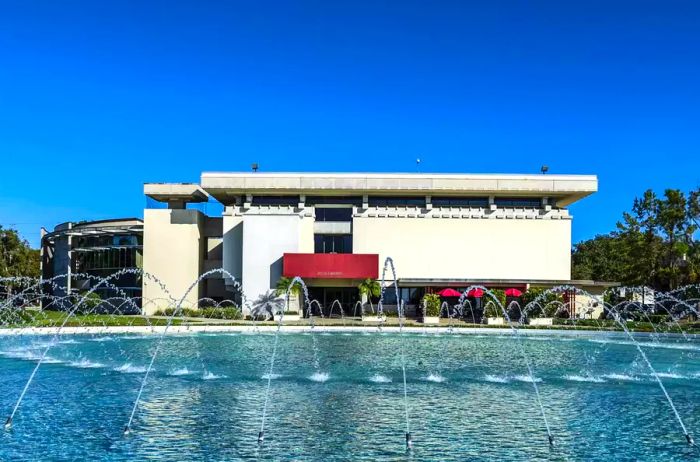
{"x":545,"y":305}
{"x":492,"y":310}
{"x":498,"y":294}
{"x":431,"y":302}
{"x":89,"y":301}
{"x":230,"y":312}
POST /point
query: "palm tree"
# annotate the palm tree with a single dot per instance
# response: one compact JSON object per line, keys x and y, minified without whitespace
{"x":283,"y":284}
{"x":285,"y":287}
{"x":370,"y":288}
{"x":266,"y":305}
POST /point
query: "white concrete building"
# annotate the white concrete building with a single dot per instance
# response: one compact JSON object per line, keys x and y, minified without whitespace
{"x":336,"y":229}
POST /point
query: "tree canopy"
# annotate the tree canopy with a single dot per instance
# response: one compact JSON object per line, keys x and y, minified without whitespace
{"x":654,"y":244}
{"x":17,"y":258}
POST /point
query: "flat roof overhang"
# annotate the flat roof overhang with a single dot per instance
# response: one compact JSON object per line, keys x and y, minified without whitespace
{"x":501,"y":283}
{"x":170,"y":192}
{"x":93,"y":230}
{"x":565,"y":189}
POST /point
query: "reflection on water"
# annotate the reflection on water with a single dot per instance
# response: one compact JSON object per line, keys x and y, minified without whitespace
{"x":469,"y":396}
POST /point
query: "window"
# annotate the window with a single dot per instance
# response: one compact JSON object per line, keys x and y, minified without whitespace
{"x":403,"y":201}
{"x":409,"y":295}
{"x":121,"y":240}
{"x":276,"y":200}
{"x":333,"y":214}
{"x":112,"y":259}
{"x":334,"y":200}
{"x":389,"y":295}
{"x":528,"y":202}
{"x":460,"y":201}
{"x":333,"y":243}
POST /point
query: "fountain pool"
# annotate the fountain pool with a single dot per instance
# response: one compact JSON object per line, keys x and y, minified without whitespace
{"x":469,"y":396}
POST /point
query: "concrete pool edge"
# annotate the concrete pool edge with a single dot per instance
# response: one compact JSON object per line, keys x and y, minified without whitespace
{"x":222,"y":329}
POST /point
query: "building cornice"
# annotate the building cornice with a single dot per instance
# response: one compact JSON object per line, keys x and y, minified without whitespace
{"x":564,"y":189}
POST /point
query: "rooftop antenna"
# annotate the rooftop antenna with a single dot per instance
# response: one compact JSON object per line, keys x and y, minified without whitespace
{"x":254,"y":166}
{"x":418,"y":164}
{"x":544,"y":169}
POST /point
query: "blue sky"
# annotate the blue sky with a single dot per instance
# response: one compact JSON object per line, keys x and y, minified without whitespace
{"x":97,"y":98}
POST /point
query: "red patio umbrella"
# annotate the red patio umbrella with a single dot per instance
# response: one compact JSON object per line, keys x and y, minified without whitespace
{"x":449,"y":293}
{"x":476,"y":293}
{"x":513,"y":292}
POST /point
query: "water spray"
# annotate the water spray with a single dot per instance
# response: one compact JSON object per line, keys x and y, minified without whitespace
{"x":389,"y":263}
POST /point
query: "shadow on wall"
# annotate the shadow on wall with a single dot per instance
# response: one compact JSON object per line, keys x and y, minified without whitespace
{"x":183,"y":217}
{"x":276,"y":272}
{"x":233,"y":245}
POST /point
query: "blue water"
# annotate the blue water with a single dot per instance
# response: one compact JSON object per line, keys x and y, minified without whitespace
{"x":469,"y":398}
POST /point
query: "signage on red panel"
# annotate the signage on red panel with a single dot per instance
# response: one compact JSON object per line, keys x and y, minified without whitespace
{"x":331,"y":265}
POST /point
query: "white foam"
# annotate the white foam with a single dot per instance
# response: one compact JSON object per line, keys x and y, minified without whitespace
{"x":20,"y":354}
{"x":211,"y":376}
{"x":622,"y":377}
{"x":270,"y":376}
{"x":42,"y":345}
{"x":496,"y":379}
{"x":102,"y":339}
{"x":646,"y":344}
{"x":128,"y":368}
{"x":378,"y":378}
{"x":549,"y":339}
{"x":85,"y":363}
{"x":434,"y":377}
{"x":526,"y":378}
{"x":670,"y":375}
{"x":319,"y":376}
{"x":180,"y":371}
{"x":584,"y":378}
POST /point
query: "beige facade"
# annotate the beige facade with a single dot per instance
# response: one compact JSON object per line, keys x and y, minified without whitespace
{"x":467,"y":248}
{"x":173,"y":253}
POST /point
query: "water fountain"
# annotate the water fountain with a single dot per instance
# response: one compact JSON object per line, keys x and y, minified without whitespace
{"x":389,"y":264}
{"x":666,"y":356}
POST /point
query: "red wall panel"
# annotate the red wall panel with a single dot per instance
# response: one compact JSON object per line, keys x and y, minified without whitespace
{"x":331,"y":265}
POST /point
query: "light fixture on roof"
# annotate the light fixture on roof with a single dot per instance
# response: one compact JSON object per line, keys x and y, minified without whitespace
{"x":254,"y":166}
{"x":544,"y":169}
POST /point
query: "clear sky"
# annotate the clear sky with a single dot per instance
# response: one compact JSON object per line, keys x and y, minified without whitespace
{"x":97,"y":98}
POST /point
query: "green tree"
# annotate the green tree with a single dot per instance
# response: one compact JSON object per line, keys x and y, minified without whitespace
{"x":283,"y":285}
{"x":285,"y":288}
{"x":17,"y":258}
{"x":654,"y":244}
{"x":603,"y":258}
{"x":370,"y":288}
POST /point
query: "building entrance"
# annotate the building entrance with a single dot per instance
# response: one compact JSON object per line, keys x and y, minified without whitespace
{"x":347,"y":298}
